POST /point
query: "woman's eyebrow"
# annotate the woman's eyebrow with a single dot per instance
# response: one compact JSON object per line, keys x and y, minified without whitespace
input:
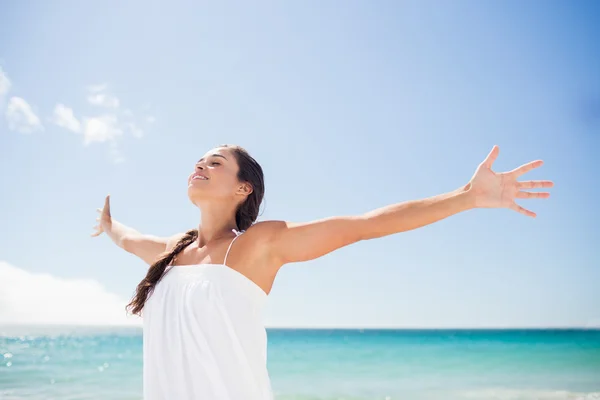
{"x":212,"y":155}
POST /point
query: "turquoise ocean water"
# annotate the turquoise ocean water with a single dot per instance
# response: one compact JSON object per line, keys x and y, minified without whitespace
{"x":106,"y":363}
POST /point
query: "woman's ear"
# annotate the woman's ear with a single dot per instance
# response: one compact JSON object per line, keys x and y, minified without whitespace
{"x":245,"y":188}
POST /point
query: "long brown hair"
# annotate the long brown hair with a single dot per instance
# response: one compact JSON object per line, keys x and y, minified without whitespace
{"x":247,"y":212}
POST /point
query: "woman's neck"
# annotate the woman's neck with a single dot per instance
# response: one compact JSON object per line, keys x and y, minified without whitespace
{"x":216,"y":223}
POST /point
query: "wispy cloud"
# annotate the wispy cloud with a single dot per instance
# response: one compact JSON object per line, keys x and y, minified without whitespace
{"x":19,"y":114}
{"x":39,"y":298}
{"x":103,"y":100}
{"x":98,"y":96}
{"x":21,"y":117}
{"x":104,"y":128}
{"x":64,"y":117}
{"x":101,"y":129}
{"x":108,"y":127}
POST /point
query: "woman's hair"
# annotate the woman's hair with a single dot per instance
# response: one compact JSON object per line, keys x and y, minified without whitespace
{"x":249,"y":171}
{"x":246,"y":214}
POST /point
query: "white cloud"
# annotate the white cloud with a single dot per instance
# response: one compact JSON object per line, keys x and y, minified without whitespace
{"x":21,"y":117}
{"x":107,"y":127}
{"x":99,"y":97}
{"x":64,"y":117}
{"x":4,"y":83}
{"x":103,"y":100}
{"x":101,"y":129}
{"x":37,"y":298}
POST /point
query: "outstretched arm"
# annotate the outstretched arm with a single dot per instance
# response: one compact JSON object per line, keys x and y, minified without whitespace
{"x":146,"y":247}
{"x":293,"y":242}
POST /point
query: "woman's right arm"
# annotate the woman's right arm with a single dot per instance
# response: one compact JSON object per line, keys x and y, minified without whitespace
{"x":147,"y":247}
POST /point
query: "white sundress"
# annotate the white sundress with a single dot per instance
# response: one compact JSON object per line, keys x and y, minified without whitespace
{"x":204,"y":337}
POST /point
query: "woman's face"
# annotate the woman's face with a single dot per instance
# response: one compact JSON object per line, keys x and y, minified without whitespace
{"x":214,"y":176}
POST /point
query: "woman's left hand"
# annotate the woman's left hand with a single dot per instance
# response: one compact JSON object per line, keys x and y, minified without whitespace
{"x":499,"y":190}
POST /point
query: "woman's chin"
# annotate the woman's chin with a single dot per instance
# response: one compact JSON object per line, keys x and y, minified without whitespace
{"x":196,"y":193}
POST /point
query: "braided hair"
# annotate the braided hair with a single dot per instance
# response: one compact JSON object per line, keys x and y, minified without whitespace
{"x":156,"y":271}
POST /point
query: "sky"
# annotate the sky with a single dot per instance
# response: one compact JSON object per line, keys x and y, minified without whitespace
{"x":348,"y":106}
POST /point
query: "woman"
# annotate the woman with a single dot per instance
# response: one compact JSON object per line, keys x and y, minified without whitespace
{"x":202,"y":297}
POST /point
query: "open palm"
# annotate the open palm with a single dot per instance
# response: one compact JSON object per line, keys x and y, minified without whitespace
{"x":500,"y":190}
{"x":104,"y":220}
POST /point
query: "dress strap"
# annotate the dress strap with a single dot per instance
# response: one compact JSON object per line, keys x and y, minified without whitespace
{"x":237,"y":235}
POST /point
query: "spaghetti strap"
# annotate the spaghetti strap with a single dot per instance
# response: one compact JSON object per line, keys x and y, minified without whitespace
{"x":237,"y":235}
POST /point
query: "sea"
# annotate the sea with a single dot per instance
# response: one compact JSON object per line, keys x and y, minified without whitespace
{"x":70,"y":363}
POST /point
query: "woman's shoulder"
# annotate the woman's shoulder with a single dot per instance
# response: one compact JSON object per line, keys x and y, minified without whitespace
{"x":258,"y":241}
{"x":265,"y":230}
{"x":262,"y":235}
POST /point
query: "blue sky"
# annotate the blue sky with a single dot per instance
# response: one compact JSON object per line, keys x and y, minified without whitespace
{"x":348,"y":106}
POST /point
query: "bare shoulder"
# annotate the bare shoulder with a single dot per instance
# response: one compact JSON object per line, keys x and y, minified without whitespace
{"x":266,"y":233}
{"x":258,"y":240}
{"x":266,"y":230}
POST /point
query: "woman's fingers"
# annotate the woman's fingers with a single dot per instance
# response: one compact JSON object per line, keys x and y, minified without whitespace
{"x":491,"y":157}
{"x":106,"y":208}
{"x":98,"y":230}
{"x":535,"y":184}
{"x":523,"y":169}
{"x":104,"y":212}
{"x":522,"y":194}
{"x":519,"y":209}
{"x":532,"y":195}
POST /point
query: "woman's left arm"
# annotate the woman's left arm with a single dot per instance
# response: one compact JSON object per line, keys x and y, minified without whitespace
{"x":294,"y":242}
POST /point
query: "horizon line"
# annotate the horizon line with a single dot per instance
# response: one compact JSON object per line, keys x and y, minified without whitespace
{"x":317,"y":327}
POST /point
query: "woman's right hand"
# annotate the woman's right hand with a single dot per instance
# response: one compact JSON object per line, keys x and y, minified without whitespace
{"x":104,"y":220}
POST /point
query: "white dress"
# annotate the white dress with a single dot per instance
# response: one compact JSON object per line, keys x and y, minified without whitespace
{"x":204,"y":337}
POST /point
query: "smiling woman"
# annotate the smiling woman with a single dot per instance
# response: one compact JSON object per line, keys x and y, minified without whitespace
{"x":202,"y":297}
